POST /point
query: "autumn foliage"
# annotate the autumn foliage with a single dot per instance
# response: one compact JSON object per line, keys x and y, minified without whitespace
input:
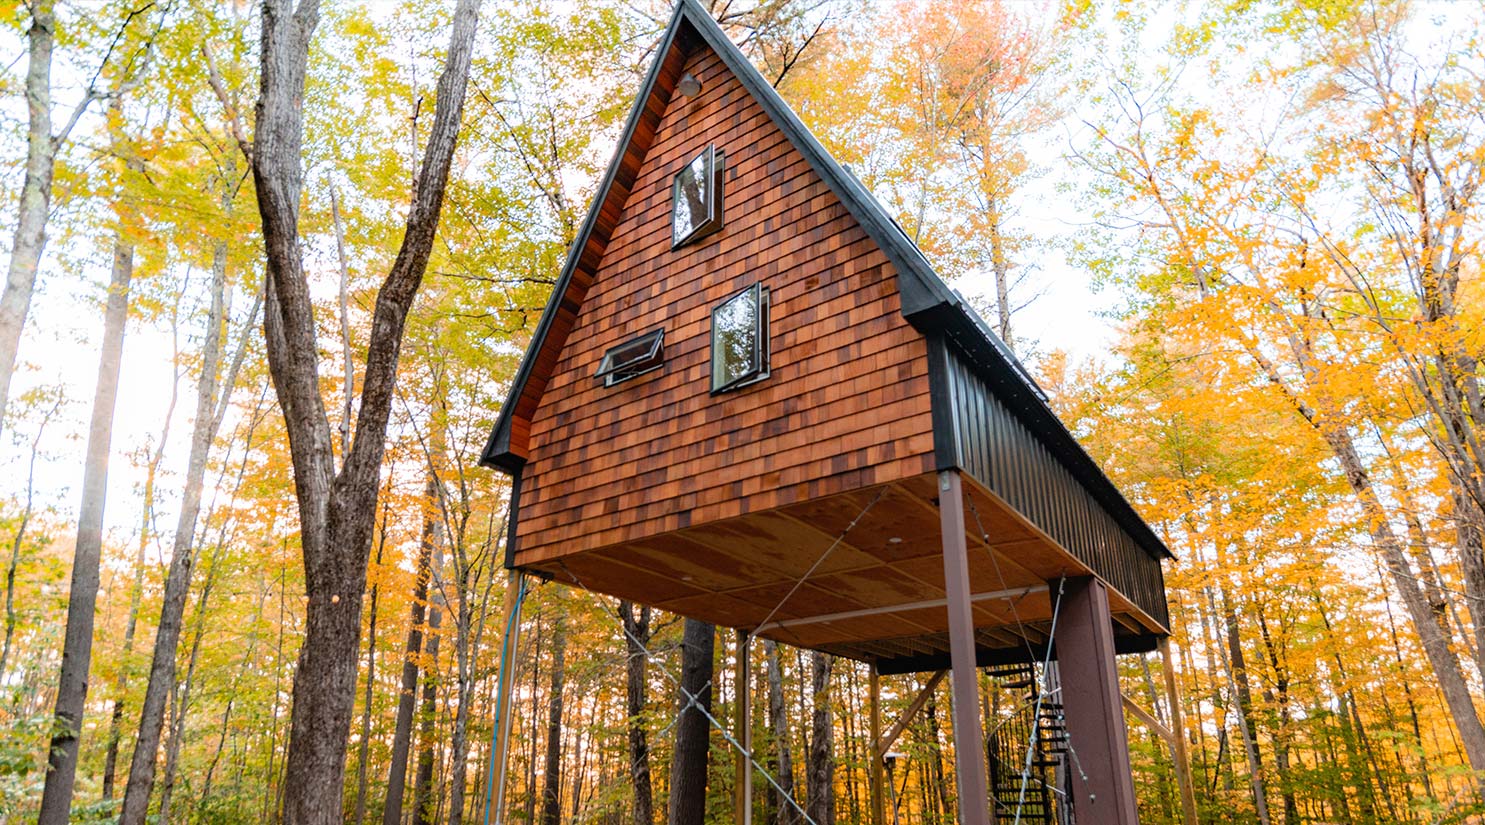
{"x":1277,"y":204}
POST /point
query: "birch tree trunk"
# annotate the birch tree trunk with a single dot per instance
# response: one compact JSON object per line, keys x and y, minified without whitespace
{"x":77,"y":646}
{"x":337,"y":510}
{"x":213,"y":392}
{"x":124,"y":249}
{"x":29,"y":239}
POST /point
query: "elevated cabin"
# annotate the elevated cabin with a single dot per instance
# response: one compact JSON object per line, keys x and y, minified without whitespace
{"x":750,"y":395}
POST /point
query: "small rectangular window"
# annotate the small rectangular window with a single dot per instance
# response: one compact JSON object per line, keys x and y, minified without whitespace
{"x":632,"y":358}
{"x":696,"y":198}
{"x":740,"y":339}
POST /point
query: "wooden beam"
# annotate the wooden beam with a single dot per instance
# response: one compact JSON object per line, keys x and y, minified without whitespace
{"x":1012,"y":593}
{"x":884,"y":744}
{"x":1148,"y":719}
{"x":969,"y":734}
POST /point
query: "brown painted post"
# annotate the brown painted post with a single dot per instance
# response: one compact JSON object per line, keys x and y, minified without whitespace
{"x":874,"y":751}
{"x":1101,"y":778}
{"x":969,"y":738}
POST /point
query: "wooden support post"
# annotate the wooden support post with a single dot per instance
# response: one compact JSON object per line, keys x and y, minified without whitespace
{"x":1103,"y":787}
{"x":1178,"y":736}
{"x":969,"y":736}
{"x":510,"y":626}
{"x":876,"y":752}
{"x":743,"y":732}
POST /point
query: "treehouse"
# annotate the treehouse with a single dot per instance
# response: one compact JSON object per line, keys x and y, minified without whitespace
{"x":751,"y":401}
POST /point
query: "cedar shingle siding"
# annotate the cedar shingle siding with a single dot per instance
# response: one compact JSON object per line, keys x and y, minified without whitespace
{"x":846,"y":406}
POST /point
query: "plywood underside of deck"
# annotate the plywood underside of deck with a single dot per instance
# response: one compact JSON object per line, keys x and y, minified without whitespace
{"x":878,"y":595}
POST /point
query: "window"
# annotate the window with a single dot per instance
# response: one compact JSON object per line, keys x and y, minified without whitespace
{"x":632,"y":358}
{"x":696,"y":198}
{"x":740,"y":339}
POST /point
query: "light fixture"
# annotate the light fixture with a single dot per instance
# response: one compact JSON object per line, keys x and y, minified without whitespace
{"x":689,"y":85}
{"x":895,"y":540}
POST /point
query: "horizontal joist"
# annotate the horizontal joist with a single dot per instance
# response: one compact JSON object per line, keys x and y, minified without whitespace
{"x":1012,"y":593}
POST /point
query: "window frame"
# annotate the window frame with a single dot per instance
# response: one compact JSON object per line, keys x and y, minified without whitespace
{"x":761,"y":353}
{"x":613,"y":374}
{"x":716,"y":162}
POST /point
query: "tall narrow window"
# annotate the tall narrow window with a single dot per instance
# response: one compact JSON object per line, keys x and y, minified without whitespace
{"x":632,"y":358}
{"x":696,"y":198}
{"x":740,"y":339}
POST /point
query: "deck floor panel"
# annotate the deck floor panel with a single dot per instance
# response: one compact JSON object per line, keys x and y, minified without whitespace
{"x":885,"y":603}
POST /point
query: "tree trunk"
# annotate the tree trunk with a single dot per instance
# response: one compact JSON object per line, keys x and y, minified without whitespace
{"x":778,"y":720}
{"x":123,"y":249}
{"x":551,"y":794}
{"x":19,"y":540}
{"x":406,"y":698}
{"x":1435,"y":644}
{"x":211,"y":407}
{"x":940,"y":791}
{"x":467,"y":639}
{"x":337,"y":510}
{"x":1469,"y":526}
{"x":425,"y":801}
{"x":77,"y":647}
{"x":35,"y":206}
{"x":637,"y":641}
{"x":688,"y":767}
{"x":1281,"y":737}
{"x":365,"y":745}
{"x":472,"y":583}
{"x":182,"y":702}
{"x":531,"y":761}
{"x":820,"y":777}
{"x":1000,"y":264}
{"x":131,"y":624}
{"x":1237,"y":678}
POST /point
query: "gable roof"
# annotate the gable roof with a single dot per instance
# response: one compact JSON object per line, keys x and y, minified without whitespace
{"x":928,"y":303}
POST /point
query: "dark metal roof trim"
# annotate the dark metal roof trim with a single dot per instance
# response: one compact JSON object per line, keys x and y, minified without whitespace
{"x":927,"y":301}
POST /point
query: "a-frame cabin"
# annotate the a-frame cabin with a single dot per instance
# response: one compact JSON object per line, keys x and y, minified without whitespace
{"x":751,"y":401}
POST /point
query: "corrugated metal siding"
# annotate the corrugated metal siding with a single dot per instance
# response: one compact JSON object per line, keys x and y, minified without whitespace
{"x":995,"y":448}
